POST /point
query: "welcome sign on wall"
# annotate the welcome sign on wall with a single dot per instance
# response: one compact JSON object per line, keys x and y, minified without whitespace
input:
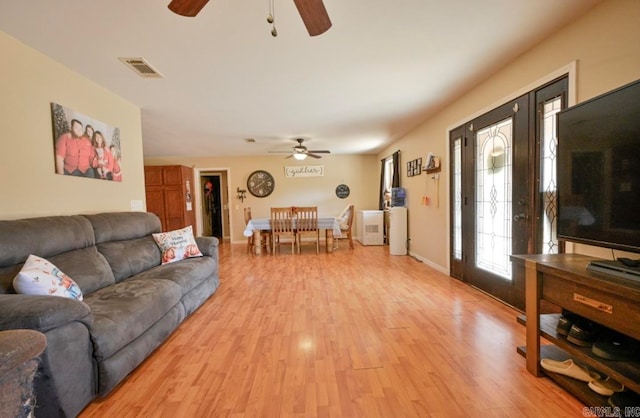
{"x":304,"y":171}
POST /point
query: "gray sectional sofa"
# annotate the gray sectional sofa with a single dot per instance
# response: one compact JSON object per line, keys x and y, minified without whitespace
{"x":131,"y":303}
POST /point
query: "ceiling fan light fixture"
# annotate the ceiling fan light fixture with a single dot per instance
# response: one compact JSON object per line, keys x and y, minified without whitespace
{"x":300,"y":152}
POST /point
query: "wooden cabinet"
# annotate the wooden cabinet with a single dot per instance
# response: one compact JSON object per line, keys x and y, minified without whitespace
{"x":563,"y":279}
{"x":168,"y":192}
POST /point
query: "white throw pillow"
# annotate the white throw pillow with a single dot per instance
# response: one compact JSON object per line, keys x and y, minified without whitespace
{"x":40,"y":277}
{"x":177,"y":245}
{"x":343,"y":218}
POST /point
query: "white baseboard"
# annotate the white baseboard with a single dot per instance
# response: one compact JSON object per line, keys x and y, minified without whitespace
{"x":431,"y":264}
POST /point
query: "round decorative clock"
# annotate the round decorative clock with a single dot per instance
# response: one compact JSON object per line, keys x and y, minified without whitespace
{"x":342,"y":191}
{"x":260,"y":183}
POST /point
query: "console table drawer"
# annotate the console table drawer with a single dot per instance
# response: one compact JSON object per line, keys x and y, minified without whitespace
{"x":604,"y":308}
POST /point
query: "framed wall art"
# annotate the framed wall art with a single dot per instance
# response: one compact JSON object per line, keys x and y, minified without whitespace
{"x":414,"y":167}
{"x":85,"y":147}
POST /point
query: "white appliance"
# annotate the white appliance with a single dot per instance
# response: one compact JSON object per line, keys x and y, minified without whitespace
{"x":369,"y":229}
{"x":397,"y":231}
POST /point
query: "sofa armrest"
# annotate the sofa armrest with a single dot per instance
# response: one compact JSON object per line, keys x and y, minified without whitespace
{"x":208,"y":245}
{"x":40,"y":313}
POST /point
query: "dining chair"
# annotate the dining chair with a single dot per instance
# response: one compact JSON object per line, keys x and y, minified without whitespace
{"x":346,"y":224}
{"x":265,"y":236}
{"x":282,"y":226}
{"x":307,"y":225}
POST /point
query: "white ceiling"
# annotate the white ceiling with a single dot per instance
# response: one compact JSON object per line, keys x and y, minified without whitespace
{"x":382,"y":68}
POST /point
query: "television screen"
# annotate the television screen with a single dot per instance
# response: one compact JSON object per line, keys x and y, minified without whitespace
{"x":599,"y":170}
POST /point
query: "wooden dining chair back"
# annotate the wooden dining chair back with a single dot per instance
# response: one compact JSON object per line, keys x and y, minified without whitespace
{"x":306,"y":224}
{"x":346,"y":224}
{"x":282,"y":227}
{"x":265,"y":236}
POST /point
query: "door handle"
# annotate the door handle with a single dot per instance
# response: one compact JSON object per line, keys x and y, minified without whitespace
{"x":520,"y":217}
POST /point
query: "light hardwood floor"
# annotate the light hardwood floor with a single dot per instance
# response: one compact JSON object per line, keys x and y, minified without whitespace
{"x":356,"y":333}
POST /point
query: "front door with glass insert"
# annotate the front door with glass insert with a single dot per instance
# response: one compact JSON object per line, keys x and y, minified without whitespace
{"x":503,"y":190}
{"x":490,"y":196}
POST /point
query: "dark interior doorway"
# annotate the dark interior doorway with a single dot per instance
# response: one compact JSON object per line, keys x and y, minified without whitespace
{"x":212,"y":212}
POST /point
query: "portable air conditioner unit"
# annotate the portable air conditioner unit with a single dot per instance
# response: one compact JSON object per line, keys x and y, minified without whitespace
{"x":369,"y":227}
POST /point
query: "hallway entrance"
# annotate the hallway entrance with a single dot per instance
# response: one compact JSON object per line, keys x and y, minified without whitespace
{"x":214,"y":206}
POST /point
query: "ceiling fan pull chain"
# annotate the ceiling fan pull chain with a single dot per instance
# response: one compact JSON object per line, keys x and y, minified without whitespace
{"x":271,"y":18}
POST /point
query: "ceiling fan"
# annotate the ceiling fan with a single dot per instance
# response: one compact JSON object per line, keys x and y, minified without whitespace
{"x":300,"y":152}
{"x":313,"y":13}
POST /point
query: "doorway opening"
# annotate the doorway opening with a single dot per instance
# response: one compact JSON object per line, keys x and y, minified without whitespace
{"x":214,"y":204}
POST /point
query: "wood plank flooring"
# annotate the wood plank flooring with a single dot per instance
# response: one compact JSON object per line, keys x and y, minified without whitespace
{"x":356,"y":333}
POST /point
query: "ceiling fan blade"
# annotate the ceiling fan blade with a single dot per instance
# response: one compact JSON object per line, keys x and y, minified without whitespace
{"x":280,"y":152}
{"x":288,"y":156}
{"x":314,"y":15}
{"x":320,"y":151}
{"x":309,"y":154}
{"x":188,"y":8}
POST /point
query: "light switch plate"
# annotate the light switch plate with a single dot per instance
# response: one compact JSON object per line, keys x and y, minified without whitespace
{"x":136,"y":206}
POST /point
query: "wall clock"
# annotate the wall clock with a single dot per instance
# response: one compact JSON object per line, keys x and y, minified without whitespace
{"x":342,"y":191}
{"x":260,"y":183}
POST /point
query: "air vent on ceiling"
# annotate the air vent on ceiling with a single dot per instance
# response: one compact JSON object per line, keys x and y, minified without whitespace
{"x":141,"y":67}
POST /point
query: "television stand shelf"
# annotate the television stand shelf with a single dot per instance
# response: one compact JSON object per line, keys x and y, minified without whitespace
{"x":563,"y":280}
{"x":578,"y":389}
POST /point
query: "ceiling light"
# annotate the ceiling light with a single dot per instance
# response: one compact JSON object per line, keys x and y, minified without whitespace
{"x":299,"y":156}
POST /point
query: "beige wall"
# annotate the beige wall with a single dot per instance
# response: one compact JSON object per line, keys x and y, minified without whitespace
{"x":359,"y":172}
{"x":29,"y":82}
{"x":603,"y":42}
{"x":605,"y":45}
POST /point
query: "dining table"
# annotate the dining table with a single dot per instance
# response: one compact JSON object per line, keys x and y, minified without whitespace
{"x":330,"y":225}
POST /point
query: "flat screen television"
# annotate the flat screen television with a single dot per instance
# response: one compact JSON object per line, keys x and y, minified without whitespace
{"x":599,"y":170}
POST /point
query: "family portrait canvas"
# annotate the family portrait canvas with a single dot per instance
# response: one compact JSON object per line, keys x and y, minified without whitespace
{"x":85,"y":147}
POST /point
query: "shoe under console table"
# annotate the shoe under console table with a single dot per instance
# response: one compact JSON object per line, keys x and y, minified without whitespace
{"x":563,"y":280}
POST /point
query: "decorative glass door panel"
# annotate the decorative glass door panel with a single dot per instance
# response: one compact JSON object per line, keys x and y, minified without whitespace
{"x":548,"y":184}
{"x":457,"y":149}
{"x":457,"y":199}
{"x":494,"y":198}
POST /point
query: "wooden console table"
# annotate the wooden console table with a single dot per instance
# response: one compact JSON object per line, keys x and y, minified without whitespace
{"x":563,"y":280}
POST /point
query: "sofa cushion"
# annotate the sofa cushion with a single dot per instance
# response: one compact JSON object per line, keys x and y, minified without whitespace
{"x":7,"y":274}
{"x":120,"y":226}
{"x":130,"y":257}
{"x":124,"y":311}
{"x":177,"y":245}
{"x":46,"y":236}
{"x":87,"y":267}
{"x":124,"y":238}
{"x":41,"y":277}
{"x":187,"y":274}
{"x":114,"y":369}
